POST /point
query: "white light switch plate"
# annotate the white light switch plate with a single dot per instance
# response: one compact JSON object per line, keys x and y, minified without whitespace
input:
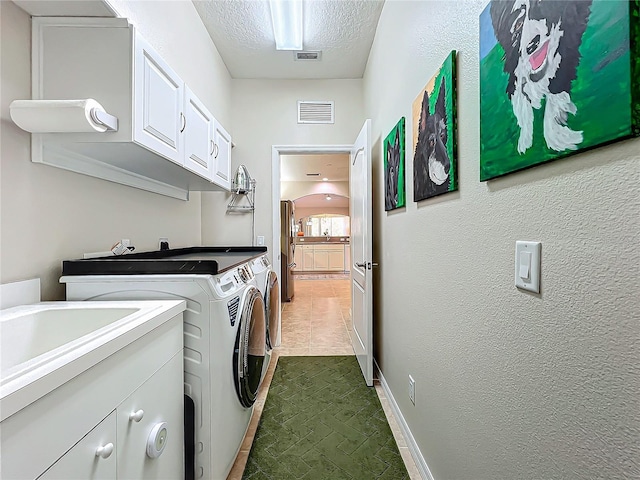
{"x":527,"y":271}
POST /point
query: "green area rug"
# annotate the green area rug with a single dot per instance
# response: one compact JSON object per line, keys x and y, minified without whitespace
{"x":320,"y":421}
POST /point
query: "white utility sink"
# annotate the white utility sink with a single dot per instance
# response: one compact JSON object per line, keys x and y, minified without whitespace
{"x":46,"y":344}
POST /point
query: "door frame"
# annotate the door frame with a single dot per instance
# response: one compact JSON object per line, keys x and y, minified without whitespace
{"x":276,"y":152}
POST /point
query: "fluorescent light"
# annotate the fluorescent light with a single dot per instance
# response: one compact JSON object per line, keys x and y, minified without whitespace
{"x":286,"y":16}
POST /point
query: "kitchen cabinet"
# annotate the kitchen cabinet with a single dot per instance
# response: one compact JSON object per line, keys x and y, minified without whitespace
{"x":167,"y":141}
{"x":297,"y":258}
{"x":308,"y":258}
{"x":58,"y":436}
{"x":347,"y":258}
{"x":324,"y":257}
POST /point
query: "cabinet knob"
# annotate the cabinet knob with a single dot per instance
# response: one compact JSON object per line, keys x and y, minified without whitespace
{"x":157,"y":440}
{"x":105,"y":451}
{"x":136,"y":416}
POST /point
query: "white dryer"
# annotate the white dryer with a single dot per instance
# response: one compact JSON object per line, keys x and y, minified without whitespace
{"x":267,"y":282}
{"x":224,"y":351}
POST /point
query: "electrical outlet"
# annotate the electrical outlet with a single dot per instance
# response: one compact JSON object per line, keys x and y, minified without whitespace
{"x":163,"y":243}
{"x":412,"y":390}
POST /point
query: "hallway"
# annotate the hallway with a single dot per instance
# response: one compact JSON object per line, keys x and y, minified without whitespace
{"x":315,"y":323}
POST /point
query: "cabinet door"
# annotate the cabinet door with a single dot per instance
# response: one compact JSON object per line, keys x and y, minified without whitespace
{"x":336,"y":259}
{"x":222,"y":156}
{"x":81,"y":461}
{"x":159,"y":399}
{"x":198,"y":140}
{"x":347,"y":258}
{"x":297,"y":258}
{"x":321,"y":259}
{"x":158,"y":116}
{"x":307,"y":257}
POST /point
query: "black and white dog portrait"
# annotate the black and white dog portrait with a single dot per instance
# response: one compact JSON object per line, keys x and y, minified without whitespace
{"x":540,"y":39}
{"x":431,"y":164}
{"x":391,"y":173}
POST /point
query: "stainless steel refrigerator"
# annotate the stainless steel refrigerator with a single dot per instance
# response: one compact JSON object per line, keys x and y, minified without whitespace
{"x":287,"y":249}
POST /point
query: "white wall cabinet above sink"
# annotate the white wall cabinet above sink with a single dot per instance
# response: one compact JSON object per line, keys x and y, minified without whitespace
{"x":167,"y":142}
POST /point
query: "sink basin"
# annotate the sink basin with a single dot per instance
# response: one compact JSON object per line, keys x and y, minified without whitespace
{"x":28,"y":335}
{"x":46,"y":344}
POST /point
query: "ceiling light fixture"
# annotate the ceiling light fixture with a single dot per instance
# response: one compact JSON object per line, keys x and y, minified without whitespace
{"x":286,"y":16}
{"x":325,"y":179}
{"x":328,"y":197}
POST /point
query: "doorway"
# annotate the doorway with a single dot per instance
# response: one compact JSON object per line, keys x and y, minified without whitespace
{"x":316,"y":180}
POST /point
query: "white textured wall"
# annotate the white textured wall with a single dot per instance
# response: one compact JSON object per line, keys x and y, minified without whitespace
{"x":265,"y":114}
{"x":49,"y":214}
{"x":509,"y":385}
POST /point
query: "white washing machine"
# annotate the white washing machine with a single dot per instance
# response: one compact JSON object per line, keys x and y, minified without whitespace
{"x":267,"y":282}
{"x":224,"y":352}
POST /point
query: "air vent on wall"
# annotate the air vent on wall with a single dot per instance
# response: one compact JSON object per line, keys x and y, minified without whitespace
{"x":315,"y":112}
{"x":307,"y":55}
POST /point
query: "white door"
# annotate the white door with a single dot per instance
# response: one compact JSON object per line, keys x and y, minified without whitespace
{"x":82,"y":462}
{"x":361,"y":252}
{"x":198,"y":136}
{"x":222,"y":156}
{"x":159,"y":119}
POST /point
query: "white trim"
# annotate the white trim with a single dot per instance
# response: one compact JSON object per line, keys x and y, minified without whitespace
{"x":421,"y":464}
{"x":25,"y":292}
{"x":75,"y":162}
{"x":276,"y":151}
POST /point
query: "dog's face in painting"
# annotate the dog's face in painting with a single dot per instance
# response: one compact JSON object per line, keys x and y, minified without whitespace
{"x":541,"y":39}
{"x":392,"y":172}
{"x":431,"y":162}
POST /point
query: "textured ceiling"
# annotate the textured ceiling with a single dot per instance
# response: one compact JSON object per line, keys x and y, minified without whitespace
{"x":342,"y":29}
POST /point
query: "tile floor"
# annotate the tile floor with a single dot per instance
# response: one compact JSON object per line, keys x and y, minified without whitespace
{"x":315,"y":323}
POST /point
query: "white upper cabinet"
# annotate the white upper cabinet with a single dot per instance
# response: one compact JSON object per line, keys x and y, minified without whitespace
{"x":158,"y":93}
{"x":167,"y":141}
{"x":198,"y":136}
{"x":222,"y":156}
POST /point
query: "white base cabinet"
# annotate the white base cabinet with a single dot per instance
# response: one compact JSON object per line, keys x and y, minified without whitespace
{"x":322,"y":257}
{"x":167,"y":141}
{"x":112,"y":406}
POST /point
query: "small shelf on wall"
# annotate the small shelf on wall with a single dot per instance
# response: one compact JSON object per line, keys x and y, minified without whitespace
{"x":235,"y":205}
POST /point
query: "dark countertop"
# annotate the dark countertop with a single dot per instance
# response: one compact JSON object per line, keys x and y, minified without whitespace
{"x":193,"y":260}
{"x":313,"y":240}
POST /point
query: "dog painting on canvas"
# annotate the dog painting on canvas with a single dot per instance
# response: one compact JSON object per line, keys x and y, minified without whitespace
{"x":541,"y":40}
{"x":434,"y":162}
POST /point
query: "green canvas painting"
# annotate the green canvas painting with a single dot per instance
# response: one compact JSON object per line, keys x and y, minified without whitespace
{"x":556,"y":78}
{"x":394,"y":196}
{"x":434,"y":134}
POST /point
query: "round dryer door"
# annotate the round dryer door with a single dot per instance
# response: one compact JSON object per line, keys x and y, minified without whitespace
{"x":272,"y":302}
{"x":250,"y":349}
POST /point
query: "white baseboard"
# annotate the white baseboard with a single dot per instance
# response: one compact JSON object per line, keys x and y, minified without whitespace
{"x":425,"y":473}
